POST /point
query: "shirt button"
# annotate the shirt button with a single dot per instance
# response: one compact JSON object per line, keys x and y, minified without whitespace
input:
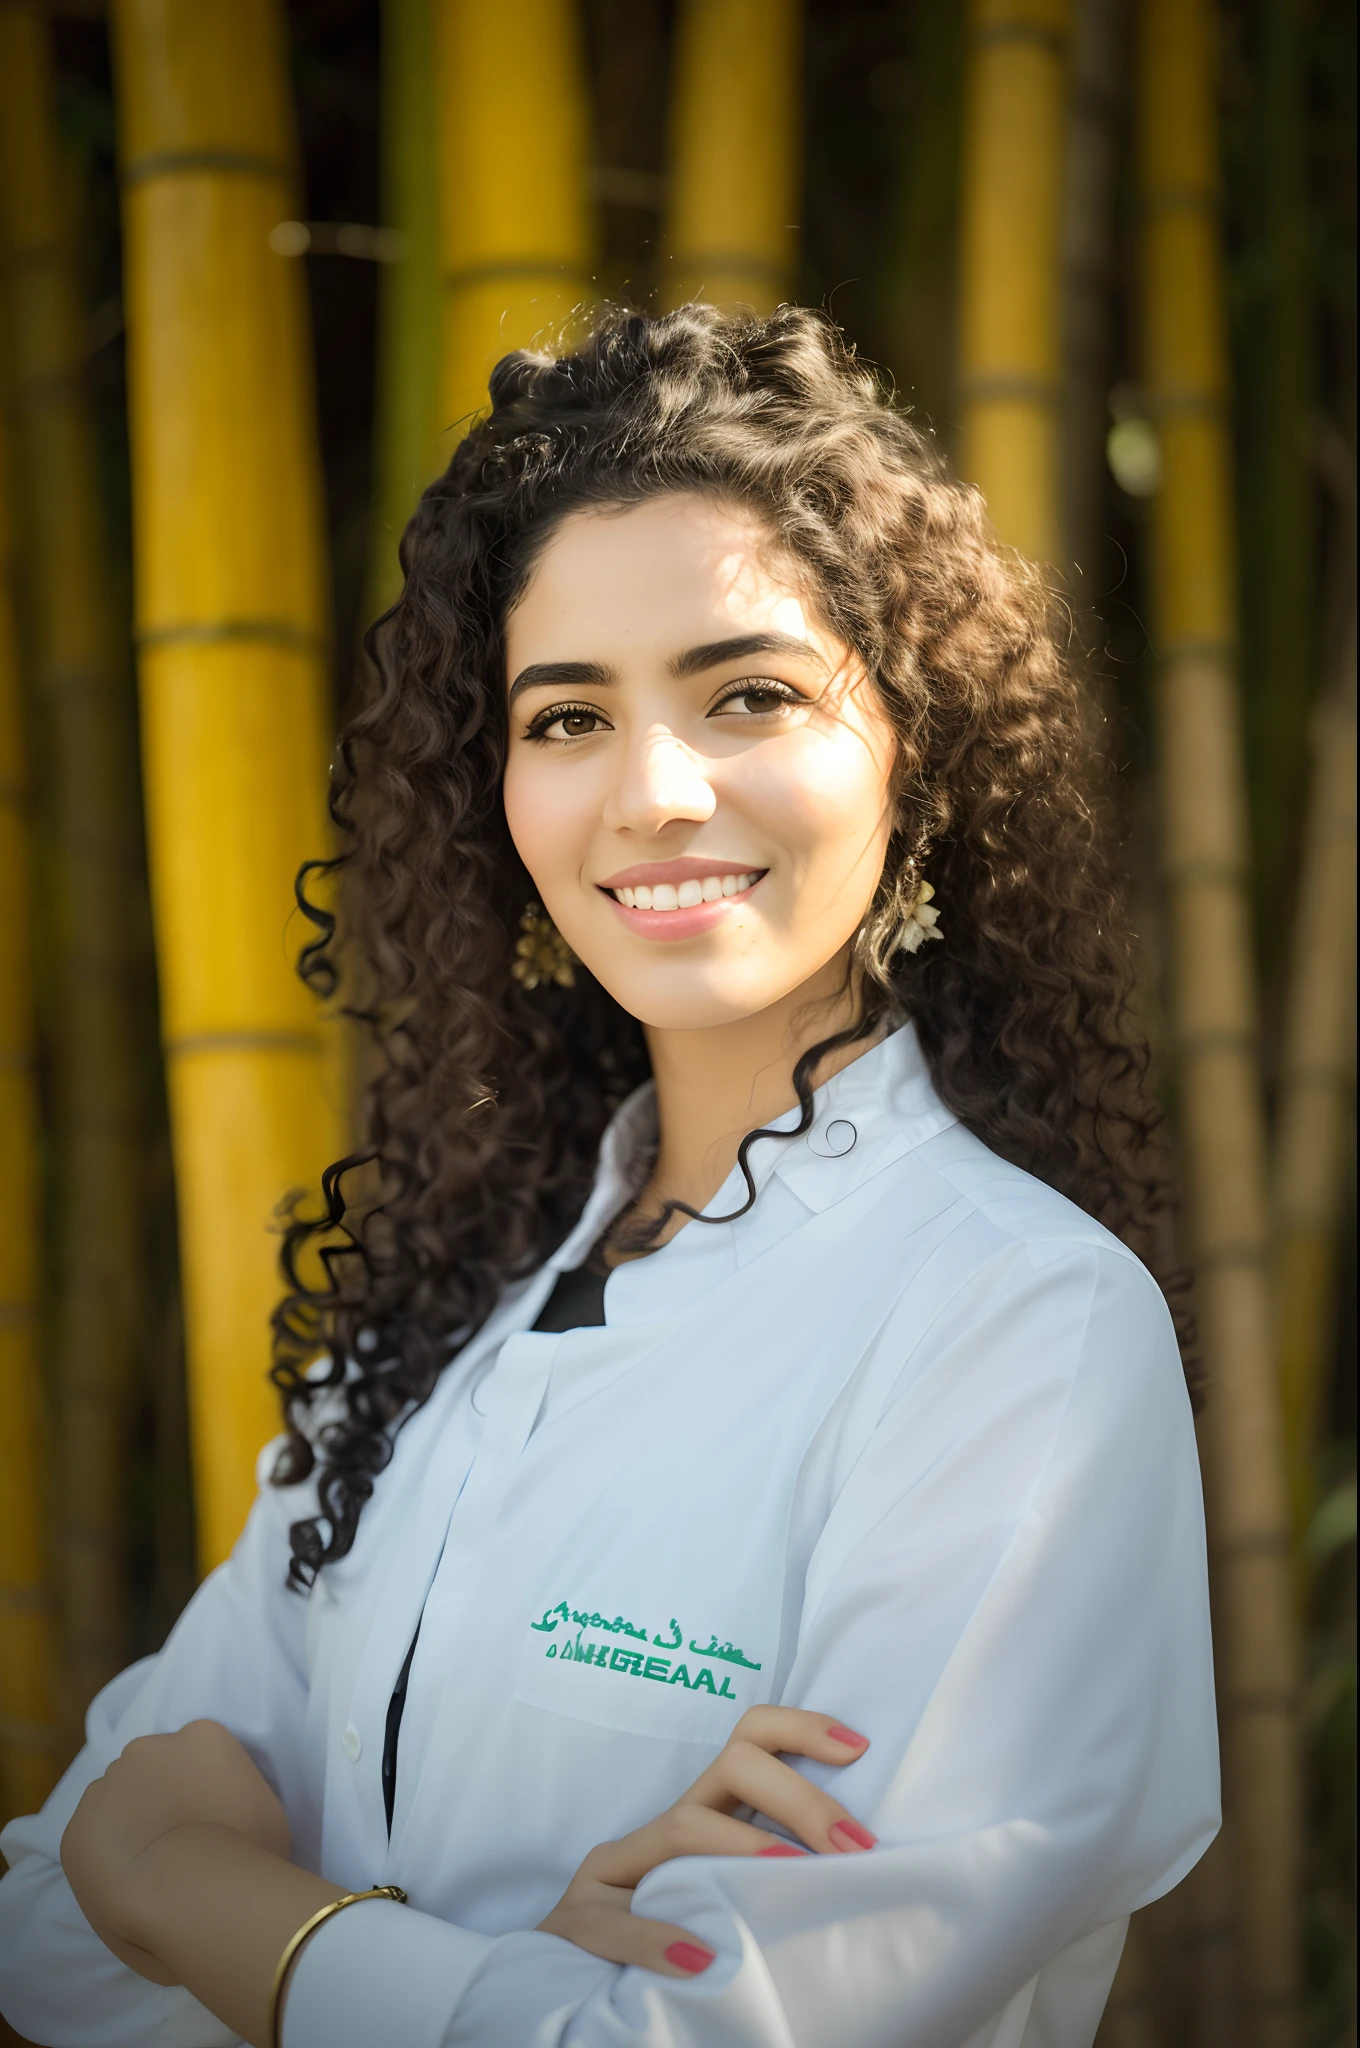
{"x":351,"y":1746}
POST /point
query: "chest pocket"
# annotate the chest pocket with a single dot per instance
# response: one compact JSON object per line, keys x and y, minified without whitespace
{"x":621,"y":1665}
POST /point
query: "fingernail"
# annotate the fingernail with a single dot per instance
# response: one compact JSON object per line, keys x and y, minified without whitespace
{"x":686,"y":1956}
{"x":848,"y":1834}
{"x":781,"y":1849}
{"x":847,"y":1736}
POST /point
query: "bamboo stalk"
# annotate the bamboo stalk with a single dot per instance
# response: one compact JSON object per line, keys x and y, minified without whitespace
{"x":736,"y":168}
{"x":28,"y":1649}
{"x":95,"y":887}
{"x":515,"y":225}
{"x":1213,"y":997}
{"x":1087,"y":269}
{"x":1011,"y":212}
{"x":406,"y":440}
{"x":1280,"y":527}
{"x":629,"y":46}
{"x":917,"y":296}
{"x":1315,"y":1125}
{"x":232,"y":628}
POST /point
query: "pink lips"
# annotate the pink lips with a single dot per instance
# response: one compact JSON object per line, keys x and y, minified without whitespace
{"x":689,"y":868}
{"x":689,"y":923}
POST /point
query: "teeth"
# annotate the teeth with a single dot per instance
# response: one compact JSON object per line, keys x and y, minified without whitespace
{"x":667,"y":896}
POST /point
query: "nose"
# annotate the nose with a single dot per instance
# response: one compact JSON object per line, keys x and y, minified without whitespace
{"x":659,"y":783}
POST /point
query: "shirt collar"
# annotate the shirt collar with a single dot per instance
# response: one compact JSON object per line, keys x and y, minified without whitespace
{"x":881,"y":1106}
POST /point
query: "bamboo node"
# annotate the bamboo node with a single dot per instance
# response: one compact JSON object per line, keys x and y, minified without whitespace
{"x":169,"y":163}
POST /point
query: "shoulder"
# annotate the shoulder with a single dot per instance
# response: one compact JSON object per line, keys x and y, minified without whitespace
{"x":1015,"y":1206}
{"x":1010,"y":1288}
{"x":990,"y":1214}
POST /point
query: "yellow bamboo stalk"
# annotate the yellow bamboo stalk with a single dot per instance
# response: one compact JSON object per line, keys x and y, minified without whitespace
{"x":94,"y":894}
{"x":231,"y":625}
{"x":1315,"y":1127}
{"x":28,"y":1677}
{"x":1010,"y":243}
{"x":736,"y":165}
{"x":515,"y":224}
{"x":1213,"y":997}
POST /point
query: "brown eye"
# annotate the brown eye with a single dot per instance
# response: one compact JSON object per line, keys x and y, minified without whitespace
{"x":570,"y":722}
{"x":756,"y":700}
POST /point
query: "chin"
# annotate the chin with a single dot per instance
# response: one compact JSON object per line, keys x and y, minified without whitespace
{"x":679,"y":1000}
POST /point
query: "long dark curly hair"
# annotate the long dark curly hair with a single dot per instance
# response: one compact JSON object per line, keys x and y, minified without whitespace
{"x":487,"y":1103}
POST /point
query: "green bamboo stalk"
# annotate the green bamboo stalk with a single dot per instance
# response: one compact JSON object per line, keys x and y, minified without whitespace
{"x":29,"y":1738}
{"x":1278,"y":341}
{"x":917,"y":289}
{"x":406,"y":451}
{"x":1315,"y":1121}
{"x":1099,"y":65}
{"x":95,"y":890}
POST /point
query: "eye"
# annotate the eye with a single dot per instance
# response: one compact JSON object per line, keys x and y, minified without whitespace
{"x":762,"y":698}
{"x":564,"y":722}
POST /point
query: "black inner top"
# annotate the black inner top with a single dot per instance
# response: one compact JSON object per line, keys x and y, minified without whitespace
{"x":576,"y":1303}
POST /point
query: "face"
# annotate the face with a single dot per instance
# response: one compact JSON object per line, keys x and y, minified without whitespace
{"x":698,"y":771}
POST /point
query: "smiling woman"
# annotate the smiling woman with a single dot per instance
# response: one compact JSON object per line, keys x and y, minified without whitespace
{"x":732,"y":1392}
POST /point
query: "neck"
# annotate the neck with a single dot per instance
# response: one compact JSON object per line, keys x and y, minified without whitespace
{"x":714,"y":1086}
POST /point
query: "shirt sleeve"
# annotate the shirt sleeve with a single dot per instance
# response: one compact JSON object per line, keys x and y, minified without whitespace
{"x":237,"y":1655}
{"x":1010,"y":1598}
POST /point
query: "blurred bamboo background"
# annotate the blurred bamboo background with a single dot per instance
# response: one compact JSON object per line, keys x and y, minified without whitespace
{"x":258,"y":258}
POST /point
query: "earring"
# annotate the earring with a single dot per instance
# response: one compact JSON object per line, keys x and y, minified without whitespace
{"x":541,"y":952}
{"x":922,"y":922}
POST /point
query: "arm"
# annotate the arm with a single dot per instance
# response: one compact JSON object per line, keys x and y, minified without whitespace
{"x":236,"y":1655}
{"x":179,"y":1857}
{"x":1009,"y":1599}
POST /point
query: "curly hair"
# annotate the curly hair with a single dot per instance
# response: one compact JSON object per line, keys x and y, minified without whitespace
{"x":487,"y":1104}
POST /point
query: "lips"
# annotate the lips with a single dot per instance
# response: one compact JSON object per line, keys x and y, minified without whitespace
{"x":688,"y":894}
{"x":679,"y":899}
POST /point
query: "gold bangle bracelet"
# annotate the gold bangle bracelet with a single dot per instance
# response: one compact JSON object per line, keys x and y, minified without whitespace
{"x":309,"y":1927}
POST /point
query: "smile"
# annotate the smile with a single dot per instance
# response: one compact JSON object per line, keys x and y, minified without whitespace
{"x":670,"y":896}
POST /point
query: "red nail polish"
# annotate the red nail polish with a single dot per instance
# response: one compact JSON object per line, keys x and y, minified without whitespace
{"x":686,"y":1956}
{"x":854,"y":1836}
{"x":781,"y":1849}
{"x":847,"y":1736}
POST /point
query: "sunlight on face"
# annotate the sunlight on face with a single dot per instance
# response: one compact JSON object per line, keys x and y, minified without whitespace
{"x":698,"y":771}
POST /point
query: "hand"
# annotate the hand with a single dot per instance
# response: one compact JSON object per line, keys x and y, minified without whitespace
{"x":160,"y":1782}
{"x":595,"y":1910}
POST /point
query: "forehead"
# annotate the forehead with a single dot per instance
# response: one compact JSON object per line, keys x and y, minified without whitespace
{"x":664,"y":571}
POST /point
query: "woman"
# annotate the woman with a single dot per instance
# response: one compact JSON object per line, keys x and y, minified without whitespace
{"x":737,"y":1566}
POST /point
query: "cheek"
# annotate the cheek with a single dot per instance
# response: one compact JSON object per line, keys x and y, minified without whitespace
{"x":550,"y":816}
{"x":825,"y":799}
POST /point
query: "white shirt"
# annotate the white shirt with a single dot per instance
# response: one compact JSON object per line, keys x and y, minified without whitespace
{"x":908,"y":1444}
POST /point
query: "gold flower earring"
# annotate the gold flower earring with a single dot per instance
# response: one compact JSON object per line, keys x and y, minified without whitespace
{"x":922,"y":922}
{"x":541,"y":952}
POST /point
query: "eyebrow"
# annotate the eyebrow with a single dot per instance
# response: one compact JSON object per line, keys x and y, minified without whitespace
{"x":696,"y":659}
{"x":582,"y":674}
{"x":562,"y":674}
